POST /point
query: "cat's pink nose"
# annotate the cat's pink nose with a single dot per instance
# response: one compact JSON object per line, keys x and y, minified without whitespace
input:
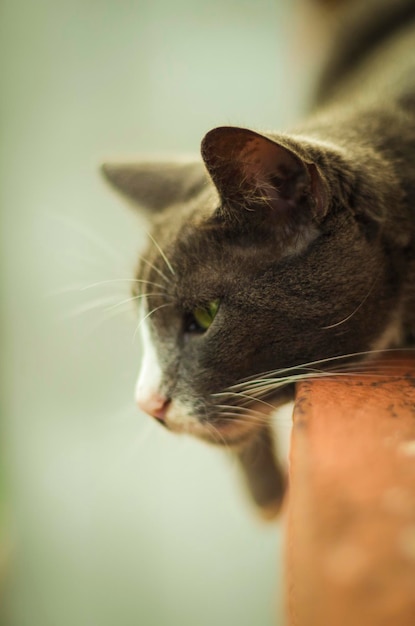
{"x":154,"y":404}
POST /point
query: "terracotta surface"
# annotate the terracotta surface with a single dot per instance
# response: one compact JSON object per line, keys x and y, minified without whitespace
{"x":350,"y":543}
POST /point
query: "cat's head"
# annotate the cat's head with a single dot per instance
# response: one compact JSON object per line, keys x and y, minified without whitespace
{"x":266,"y":255}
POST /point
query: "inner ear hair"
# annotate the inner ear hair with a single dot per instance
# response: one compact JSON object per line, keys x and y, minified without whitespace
{"x":256,"y":173}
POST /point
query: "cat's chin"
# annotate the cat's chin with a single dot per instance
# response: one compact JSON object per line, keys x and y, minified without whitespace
{"x":227,"y":432}
{"x":227,"y":435}
{"x":222,"y":429}
{"x":231,"y":437}
{"x":181,"y":419}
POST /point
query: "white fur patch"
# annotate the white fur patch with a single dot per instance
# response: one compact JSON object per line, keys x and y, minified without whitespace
{"x":149,"y":378}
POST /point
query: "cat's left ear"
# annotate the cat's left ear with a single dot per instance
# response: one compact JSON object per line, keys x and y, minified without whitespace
{"x":255,"y":173}
{"x":154,"y":186}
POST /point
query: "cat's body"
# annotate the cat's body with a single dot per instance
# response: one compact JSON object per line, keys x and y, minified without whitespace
{"x":290,"y":249}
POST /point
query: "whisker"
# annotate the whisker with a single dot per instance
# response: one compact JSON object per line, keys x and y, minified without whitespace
{"x":237,"y":418}
{"x":250,"y":391}
{"x":156,"y":269}
{"x":138,"y":297}
{"x":277,"y":372}
{"x":81,"y":287}
{"x":242,"y":395}
{"x":167,"y":262}
{"x":90,"y":306}
{"x":109,"y":315}
{"x":346,"y":319}
{"x":260,"y":381}
{"x":161,"y":306}
{"x":224,"y":407}
{"x":217,"y":436}
{"x":78,"y":288}
{"x":294,"y":378}
{"x":273,"y":385}
{"x":129,"y":280}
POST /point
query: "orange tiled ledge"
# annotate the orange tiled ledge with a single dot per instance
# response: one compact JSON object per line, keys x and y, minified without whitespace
{"x":350,"y":536}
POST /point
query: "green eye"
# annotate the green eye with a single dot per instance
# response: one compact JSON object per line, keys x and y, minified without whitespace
{"x":204,"y":316}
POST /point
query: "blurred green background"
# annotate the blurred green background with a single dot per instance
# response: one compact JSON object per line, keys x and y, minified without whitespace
{"x":114,"y":521}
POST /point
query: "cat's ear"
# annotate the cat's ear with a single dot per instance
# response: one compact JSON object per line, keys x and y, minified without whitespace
{"x":253,"y":172}
{"x":154,"y":186}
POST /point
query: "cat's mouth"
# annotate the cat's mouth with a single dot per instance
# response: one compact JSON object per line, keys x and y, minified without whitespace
{"x":229,"y":425}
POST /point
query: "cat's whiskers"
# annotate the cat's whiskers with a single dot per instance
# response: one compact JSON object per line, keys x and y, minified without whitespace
{"x":239,"y":418}
{"x":248,"y":425}
{"x":264,"y":387}
{"x":353,"y":313}
{"x":111,"y":314}
{"x":157,"y":308}
{"x":241,"y":395}
{"x":98,"y":303}
{"x":117,"y":280}
{"x":361,"y":368}
{"x":263,"y":390}
{"x":138,"y":297}
{"x":236,"y":407}
{"x":253,"y":389}
{"x":81,"y":287}
{"x":276,"y":373}
{"x":156,"y":269}
{"x":162,"y":253}
{"x":265,"y":384}
{"x":107,"y":303}
{"x":332,"y":374}
{"x":217,"y":436}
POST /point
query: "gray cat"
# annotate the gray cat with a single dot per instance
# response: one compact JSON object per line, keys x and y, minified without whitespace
{"x":278,"y":253}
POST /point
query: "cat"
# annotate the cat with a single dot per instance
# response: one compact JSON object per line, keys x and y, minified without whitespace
{"x":280,"y":252}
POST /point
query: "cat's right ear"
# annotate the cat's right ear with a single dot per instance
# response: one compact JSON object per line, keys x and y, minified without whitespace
{"x":154,"y":186}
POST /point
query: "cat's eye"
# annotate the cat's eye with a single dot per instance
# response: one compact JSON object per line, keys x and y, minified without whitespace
{"x":202,"y":317}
